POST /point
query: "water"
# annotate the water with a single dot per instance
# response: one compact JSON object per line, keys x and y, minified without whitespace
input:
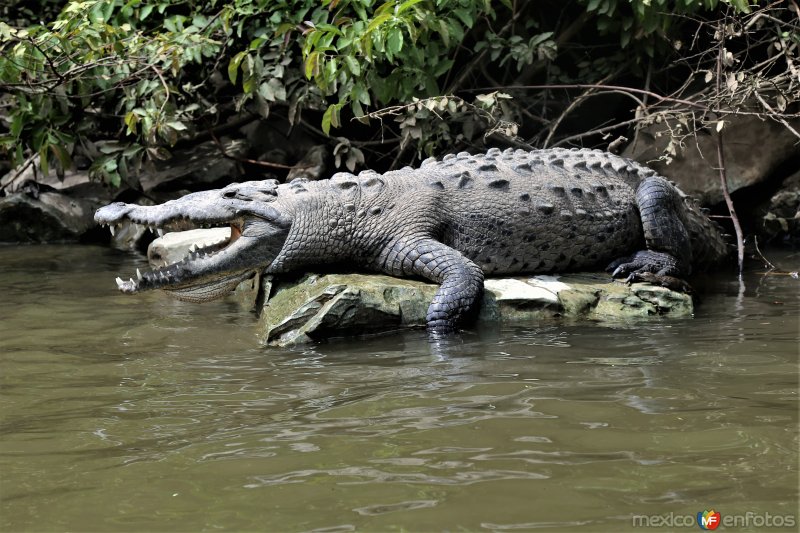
{"x":146,"y":414}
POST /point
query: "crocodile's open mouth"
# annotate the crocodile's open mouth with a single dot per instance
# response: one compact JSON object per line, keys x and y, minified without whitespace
{"x":197,"y":277}
{"x":257,"y":234}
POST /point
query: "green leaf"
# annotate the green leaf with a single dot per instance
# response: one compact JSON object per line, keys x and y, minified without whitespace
{"x":233,"y":66}
{"x":360,"y":93}
{"x":114,"y":179}
{"x":407,"y":4}
{"x":326,"y":119}
{"x":331,"y":117}
{"x":131,"y":119}
{"x":108,"y":10}
{"x":395,"y":41}
{"x":110,"y":148}
{"x":61,"y":155}
{"x":358,"y":111}
{"x":311,"y":64}
{"x":444,"y":33}
{"x":177,"y":126}
{"x":465,"y":16}
{"x":17,"y":124}
{"x":249,"y":84}
{"x":377,"y":21}
{"x":146,"y":10}
{"x":353,"y":65}
{"x":131,"y":150}
{"x":123,"y":168}
{"x":43,"y":162}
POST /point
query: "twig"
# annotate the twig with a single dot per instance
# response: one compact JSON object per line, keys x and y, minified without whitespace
{"x":266,"y":164}
{"x":781,"y":120}
{"x":597,"y":131}
{"x":478,"y":59}
{"x":659,"y":97}
{"x":767,"y":261}
{"x":723,"y":175}
{"x":21,"y":169}
{"x":576,"y":103}
{"x":166,"y":87}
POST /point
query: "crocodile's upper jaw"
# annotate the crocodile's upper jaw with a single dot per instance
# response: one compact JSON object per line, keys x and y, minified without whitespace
{"x":209,"y":272}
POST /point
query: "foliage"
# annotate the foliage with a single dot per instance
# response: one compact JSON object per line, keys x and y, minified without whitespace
{"x":121,"y":81}
{"x":96,"y":67}
{"x":642,"y":19}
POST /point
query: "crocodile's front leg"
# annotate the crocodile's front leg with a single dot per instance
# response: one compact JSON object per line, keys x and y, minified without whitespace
{"x":461,"y":280}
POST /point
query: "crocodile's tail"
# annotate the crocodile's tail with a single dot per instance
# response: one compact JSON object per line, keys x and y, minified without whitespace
{"x":709,"y":245}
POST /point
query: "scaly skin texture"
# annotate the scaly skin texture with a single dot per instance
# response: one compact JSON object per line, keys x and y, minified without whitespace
{"x":450,"y":221}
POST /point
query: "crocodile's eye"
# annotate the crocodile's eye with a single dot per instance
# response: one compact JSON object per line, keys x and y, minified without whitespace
{"x":229,"y":194}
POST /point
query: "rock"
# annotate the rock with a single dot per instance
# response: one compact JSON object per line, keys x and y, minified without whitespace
{"x":695,"y":169}
{"x":312,"y":166}
{"x":317,"y":307}
{"x":339,"y":304}
{"x":782,"y":217}
{"x":50,"y":217}
{"x":174,"y":246}
{"x":248,"y":293}
{"x":51,"y":208}
{"x":73,"y":183}
{"x":202,"y":163}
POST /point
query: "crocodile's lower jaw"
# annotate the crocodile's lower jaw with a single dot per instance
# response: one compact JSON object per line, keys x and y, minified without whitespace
{"x":211,"y":290}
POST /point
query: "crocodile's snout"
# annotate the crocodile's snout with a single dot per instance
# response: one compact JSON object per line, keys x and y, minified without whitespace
{"x":112,"y":213}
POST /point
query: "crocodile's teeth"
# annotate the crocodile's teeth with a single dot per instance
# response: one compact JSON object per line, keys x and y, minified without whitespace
{"x":160,"y":232}
{"x":138,"y":275}
{"x":120,"y":283}
{"x":193,"y":248}
{"x":113,"y":229}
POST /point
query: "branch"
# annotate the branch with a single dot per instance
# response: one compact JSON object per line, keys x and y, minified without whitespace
{"x":571,"y":107}
{"x":266,"y":164}
{"x":779,"y":118}
{"x":164,"y":84}
{"x":660,"y":98}
{"x":723,"y":175}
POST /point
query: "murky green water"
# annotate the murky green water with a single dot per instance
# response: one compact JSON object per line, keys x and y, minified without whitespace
{"x":145,"y":414}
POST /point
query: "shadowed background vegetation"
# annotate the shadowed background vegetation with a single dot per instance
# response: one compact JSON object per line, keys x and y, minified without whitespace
{"x":112,"y":85}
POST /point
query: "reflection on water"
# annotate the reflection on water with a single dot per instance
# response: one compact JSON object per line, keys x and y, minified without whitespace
{"x":147,"y":414}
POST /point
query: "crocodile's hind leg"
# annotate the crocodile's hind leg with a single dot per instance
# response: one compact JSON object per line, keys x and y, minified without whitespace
{"x":669,"y":250}
{"x":461,"y":280}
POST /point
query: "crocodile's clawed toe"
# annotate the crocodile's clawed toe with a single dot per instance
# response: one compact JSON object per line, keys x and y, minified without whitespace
{"x":644,"y":262}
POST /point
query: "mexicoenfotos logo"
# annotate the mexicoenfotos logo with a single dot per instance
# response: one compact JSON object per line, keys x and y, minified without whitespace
{"x":709,"y":520}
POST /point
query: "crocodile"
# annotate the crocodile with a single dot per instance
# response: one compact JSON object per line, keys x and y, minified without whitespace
{"x":451,"y":221}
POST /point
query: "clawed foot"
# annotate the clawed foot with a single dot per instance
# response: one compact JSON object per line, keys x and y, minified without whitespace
{"x":649,"y":266}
